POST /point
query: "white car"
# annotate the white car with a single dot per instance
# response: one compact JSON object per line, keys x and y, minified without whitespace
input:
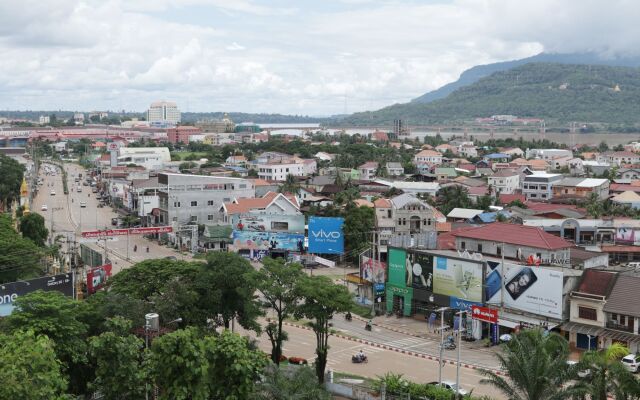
{"x":53,"y":193}
{"x":450,"y":386}
{"x":632,"y":362}
{"x":581,"y":374}
{"x":83,"y":204}
{"x":44,"y":207}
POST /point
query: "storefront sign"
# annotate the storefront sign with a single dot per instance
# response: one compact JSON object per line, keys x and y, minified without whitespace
{"x":485,"y":314}
{"x":397,"y":267}
{"x":325,"y":235}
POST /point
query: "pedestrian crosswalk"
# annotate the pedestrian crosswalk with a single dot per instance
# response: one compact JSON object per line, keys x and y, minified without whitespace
{"x":407,"y":343}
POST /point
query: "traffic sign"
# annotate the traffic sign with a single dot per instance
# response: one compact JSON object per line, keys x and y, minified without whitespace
{"x":485,"y":314}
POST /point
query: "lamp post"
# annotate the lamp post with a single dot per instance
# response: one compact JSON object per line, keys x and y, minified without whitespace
{"x":441,"y":310}
{"x":460,"y":314}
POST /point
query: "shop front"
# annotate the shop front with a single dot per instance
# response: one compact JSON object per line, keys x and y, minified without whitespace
{"x":399,"y":299}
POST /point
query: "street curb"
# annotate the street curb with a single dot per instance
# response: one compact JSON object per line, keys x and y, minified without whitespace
{"x":399,"y":350}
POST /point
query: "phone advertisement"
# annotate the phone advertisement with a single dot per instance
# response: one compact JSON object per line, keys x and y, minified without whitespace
{"x":458,"y":278}
{"x":537,"y":290}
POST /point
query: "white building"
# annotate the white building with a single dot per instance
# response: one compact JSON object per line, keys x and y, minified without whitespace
{"x":152,"y":158}
{"x":44,"y":119}
{"x":539,"y":185}
{"x":619,"y":157}
{"x":548,"y":154}
{"x":368,"y":170}
{"x":163,"y":112}
{"x":505,"y":181}
{"x":428,"y":156}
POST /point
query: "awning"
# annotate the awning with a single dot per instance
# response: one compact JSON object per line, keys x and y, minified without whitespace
{"x":582,"y":328}
{"x":511,"y":320}
{"x":620,"y":336}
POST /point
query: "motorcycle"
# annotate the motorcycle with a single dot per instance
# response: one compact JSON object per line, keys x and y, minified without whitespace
{"x":450,"y":344}
{"x":347,"y":316}
{"x":357,"y":359}
{"x":367,"y":327}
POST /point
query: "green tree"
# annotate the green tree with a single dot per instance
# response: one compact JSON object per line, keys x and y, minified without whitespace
{"x":594,"y":206}
{"x":277,"y":282}
{"x":10,"y":181}
{"x":536,"y":364}
{"x":454,"y":196}
{"x":226,"y":285}
{"x":20,"y":257}
{"x":359,"y":224}
{"x":33,"y":228}
{"x":484,"y":202}
{"x":607,"y":376}
{"x":178,"y":366}
{"x":233,"y":367}
{"x":290,"y":185}
{"x":347,"y":197}
{"x":321,"y":299}
{"x":294,"y":383}
{"x":29,"y":368}
{"x":104,"y":305}
{"x":120,"y":373}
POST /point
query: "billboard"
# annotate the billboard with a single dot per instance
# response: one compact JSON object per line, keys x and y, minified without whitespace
{"x":268,"y":223}
{"x":397,"y":267}
{"x":373,"y":270}
{"x":459,"y":279}
{"x":536,"y":290}
{"x":97,"y":277}
{"x":9,"y":292}
{"x":485,"y":314}
{"x":420,"y":266}
{"x":251,"y":240}
{"x":325,"y":235}
{"x":628,"y":236}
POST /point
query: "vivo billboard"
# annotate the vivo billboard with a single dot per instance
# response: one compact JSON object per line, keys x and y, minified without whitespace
{"x":325,"y":235}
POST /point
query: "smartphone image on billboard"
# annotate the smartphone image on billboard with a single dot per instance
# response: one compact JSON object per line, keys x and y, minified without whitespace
{"x":493,"y":282}
{"x":521,"y":282}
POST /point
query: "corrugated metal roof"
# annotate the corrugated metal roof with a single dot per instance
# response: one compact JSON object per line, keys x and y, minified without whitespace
{"x":464,"y":213}
{"x":625,"y":296}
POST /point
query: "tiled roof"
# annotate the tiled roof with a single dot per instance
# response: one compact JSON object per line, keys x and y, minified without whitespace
{"x":504,"y":173}
{"x":520,"y":235}
{"x":625,"y":296}
{"x":382,"y":203}
{"x":508,"y":198}
{"x":363,"y":202}
{"x":428,"y":153}
{"x":596,"y":282}
{"x":246,"y":205}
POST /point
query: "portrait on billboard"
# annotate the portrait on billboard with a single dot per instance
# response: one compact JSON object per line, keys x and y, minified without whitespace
{"x":420,"y":271}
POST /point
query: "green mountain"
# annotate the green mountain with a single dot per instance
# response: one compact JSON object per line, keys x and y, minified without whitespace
{"x":555,"y":92}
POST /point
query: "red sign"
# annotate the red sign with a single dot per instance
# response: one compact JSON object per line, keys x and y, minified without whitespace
{"x":97,"y":277}
{"x":124,"y":232}
{"x":485,"y":314}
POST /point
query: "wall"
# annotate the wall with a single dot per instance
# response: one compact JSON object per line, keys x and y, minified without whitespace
{"x":510,"y":251}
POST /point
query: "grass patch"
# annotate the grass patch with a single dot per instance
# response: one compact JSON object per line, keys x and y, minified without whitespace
{"x":343,"y":375}
{"x":363,"y":311}
{"x":188,"y":155}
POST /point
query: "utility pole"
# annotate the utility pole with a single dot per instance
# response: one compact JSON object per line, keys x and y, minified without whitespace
{"x":440,"y":363}
{"x":460,"y":314}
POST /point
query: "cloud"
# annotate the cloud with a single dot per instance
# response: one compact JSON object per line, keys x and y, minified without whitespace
{"x":283,"y":55}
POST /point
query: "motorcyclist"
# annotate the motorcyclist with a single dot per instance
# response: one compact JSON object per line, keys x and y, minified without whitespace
{"x":347,"y":316}
{"x":361,"y":356}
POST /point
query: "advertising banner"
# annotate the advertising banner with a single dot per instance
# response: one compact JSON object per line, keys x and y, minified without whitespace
{"x":485,"y":314}
{"x":267,"y":240}
{"x":97,"y":277}
{"x":421,"y":267}
{"x":373,"y":270}
{"x":9,"y":292}
{"x":397,"y":267}
{"x":628,"y":236}
{"x":461,"y":279}
{"x":124,"y":232}
{"x":268,"y":223}
{"x":325,"y":235}
{"x":537,"y":290}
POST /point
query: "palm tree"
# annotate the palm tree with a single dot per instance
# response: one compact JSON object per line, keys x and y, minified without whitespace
{"x":594,"y":206}
{"x":290,"y":185}
{"x":454,"y":196}
{"x":296,"y":383}
{"x":536,"y":364}
{"x":607,"y":376}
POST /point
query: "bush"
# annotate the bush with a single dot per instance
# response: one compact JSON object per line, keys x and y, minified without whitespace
{"x":396,"y":385}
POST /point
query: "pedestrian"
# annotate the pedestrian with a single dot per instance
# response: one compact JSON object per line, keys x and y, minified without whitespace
{"x":135,"y":248}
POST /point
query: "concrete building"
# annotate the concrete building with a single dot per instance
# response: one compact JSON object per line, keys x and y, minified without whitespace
{"x":539,"y":186}
{"x":224,"y":125}
{"x":196,"y":199}
{"x":279,"y":170}
{"x":505,"y":181}
{"x":514,"y":242}
{"x":428,"y":157}
{"x":44,"y":120}
{"x":368,"y":170}
{"x":163,"y":112}
{"x":152,"y":158}
{"x":548,"y":154}
{"x":619,"y":157}
{"x":580,"y":188}
{"x":622,"y":314}
{"x":181,"y":134}
{"x":394,"y":169}
{"x":629,"y":198}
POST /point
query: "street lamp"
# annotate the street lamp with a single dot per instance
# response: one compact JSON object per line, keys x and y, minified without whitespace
{"x":441,"y":310}
{"x":460,"y":314}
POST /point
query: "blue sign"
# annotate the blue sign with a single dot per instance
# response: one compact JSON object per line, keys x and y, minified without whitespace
{"x":325,"y":235}
{"x":460,"y":304}
{"x":379,"y":287}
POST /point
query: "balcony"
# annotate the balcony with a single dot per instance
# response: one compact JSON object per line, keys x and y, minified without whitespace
{"x":619,"y":327}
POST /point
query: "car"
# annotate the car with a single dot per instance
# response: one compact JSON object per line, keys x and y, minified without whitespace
{"x":632,"y":362}
{"x":85,"y":183}
{"x":83,"y":204}
{"x":53,"y":193}
{"x":44,"y":207}
{"x":581,"y":374}
{"x":450,"y":386}
{"x":114,"y":221}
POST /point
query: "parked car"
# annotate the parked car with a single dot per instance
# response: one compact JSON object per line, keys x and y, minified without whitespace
{"x":44,"y":207}
{"x":581,"y":374}
{"x":450,"y":386}
{"x":53,"y":192}
{"x":632,"y":362}
{"x":83,"y":204}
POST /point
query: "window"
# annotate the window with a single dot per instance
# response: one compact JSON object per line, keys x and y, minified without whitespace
{"x":479,"y":248}
{"x":194,"y":218}
{"x":388,"y":213}
{"x":210,"y":217}
{"x":463,"y":245}
{"x":533,"y":195}
{"x":544,"y":196}
{"x":587,"y":313}
{"x":209,"y":202}
{"x":242,"y":186}
{"x":499,"y":250}
{"x":176,"y":204}
{"x":194,"y":204}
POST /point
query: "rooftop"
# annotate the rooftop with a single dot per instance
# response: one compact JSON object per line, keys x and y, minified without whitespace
{"x":464,"y":213}
{"x":519,"y":235}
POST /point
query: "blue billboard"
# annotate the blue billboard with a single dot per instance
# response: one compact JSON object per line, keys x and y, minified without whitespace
{"x":325,"y":235}
{"x":250,"y":240}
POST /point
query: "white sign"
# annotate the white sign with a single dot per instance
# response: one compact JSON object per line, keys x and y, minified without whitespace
{"x":96,"y":240}
{"x":324,"y":261}
{"x":537,"y":290}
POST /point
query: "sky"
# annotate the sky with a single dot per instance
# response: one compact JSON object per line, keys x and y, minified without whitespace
{"x":308,"y":57}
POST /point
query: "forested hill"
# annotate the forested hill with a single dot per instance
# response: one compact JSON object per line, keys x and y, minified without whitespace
{"x":555,"y":92}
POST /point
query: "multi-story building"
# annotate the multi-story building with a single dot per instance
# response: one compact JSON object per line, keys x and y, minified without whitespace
{"x":181,"y":134}
{"x":548,"y":154}
{"x":394,"y":169}
{"x":505,"y":181}
{"x":224,"y":125}
{"x":428,"y":157}
{"x":622,"y":314}
{"x":163,"y":112}
{"x":152,"y":158}
{"x":368,"y":170}
{"x":44,"y":119}
{"x":196,"y":199}
{"x":619,"y":157}
{"x":539,"y":186}
{"x":581,"y":188}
